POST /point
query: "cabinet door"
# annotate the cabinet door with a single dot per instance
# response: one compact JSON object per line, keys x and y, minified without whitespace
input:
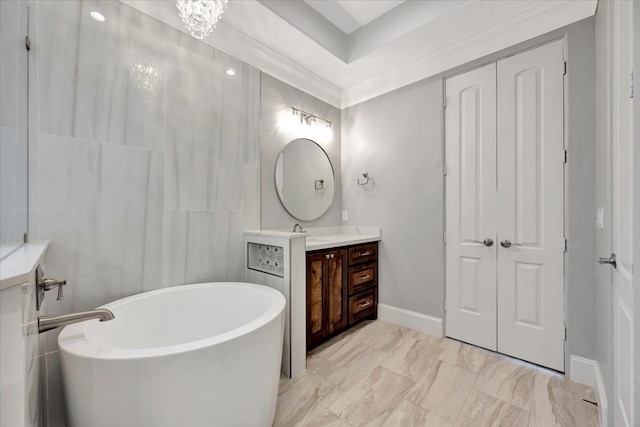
{"x":337,"y":290}
{"x":316,"y":318}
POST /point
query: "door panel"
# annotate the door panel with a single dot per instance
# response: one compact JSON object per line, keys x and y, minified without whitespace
{"x":622,"y":210}
{"x":337,"y":291}
{"x":528,"y":294}
{"x":470,"y":118}
{"x":530,"y":206}
{"x":527,"y":155}
{"x":315,"y":307}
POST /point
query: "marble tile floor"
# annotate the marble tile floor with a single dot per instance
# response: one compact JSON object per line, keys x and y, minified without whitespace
{"x":381,"y":374}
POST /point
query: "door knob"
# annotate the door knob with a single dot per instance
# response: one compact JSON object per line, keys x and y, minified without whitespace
{"x":507,"y":243}
{"x":611,"y":261}
{"x":486,"y":242}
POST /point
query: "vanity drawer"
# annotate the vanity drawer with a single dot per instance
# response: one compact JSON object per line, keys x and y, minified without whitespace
{"x":363,"y":304}
{"x":363,"y":253}
{"x":362,"y":277}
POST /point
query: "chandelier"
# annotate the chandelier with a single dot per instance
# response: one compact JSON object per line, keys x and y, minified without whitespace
{"x":200,"y":16}
{"x":146,"y":75}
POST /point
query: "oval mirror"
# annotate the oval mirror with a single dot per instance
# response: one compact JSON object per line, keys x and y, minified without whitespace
{"x":304,"y":179}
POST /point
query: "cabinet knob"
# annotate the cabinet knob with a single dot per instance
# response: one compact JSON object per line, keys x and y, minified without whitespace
{"x":327,"y":256}
{"x":332,"y":255}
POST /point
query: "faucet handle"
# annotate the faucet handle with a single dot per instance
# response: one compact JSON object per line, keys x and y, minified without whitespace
{"x":49,"y":284}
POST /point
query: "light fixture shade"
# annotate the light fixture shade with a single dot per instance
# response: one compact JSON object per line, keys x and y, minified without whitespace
{"x":200,"y":16}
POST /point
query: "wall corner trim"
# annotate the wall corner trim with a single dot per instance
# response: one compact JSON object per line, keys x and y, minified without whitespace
{"x":587,"y":371}
{"x":410,"y":319}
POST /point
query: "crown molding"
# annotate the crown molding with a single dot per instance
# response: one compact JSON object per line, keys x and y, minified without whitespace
{"x":482,"y":27}
{"x":533,"y":22}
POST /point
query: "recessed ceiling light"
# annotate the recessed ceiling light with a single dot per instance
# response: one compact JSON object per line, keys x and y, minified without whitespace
{"x":97,"y":16}
{"x":231,"y":72}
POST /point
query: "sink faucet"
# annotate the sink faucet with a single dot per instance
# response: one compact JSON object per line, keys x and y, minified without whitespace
{"x":46,"y":323}
{"x":298,"y":227}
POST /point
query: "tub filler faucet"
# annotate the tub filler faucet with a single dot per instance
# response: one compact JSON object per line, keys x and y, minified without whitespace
{"x":47,"y":323}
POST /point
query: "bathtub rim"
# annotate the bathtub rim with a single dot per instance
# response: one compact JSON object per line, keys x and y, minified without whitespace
{"x":73,"y":341}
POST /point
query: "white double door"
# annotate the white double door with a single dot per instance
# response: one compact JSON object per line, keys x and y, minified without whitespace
{"x":504,"y":206}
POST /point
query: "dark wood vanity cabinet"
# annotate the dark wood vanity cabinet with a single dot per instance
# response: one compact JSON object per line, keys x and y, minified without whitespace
{"x":363,"y":282}
{"x":342,"y":289}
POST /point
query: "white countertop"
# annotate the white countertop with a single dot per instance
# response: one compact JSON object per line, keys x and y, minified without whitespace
{"x":338,"y":240}
{"x":334,"y":237}
{"x":276,"y":233}
{"x":326,"y":237}
{"x":18,"y":267}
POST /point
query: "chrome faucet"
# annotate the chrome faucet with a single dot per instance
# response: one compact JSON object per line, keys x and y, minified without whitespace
{"x":46,"y":323}
{"x":299,"y":227}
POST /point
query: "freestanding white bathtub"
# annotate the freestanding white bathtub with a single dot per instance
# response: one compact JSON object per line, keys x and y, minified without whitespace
{"x":186,"y":356}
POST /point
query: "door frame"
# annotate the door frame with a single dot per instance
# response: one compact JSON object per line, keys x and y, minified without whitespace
{"x":479,"y":64}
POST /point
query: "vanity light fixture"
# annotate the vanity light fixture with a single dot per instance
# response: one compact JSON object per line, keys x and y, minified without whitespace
{"x":297,"y":123}
{"x":200,"y":16}
{"x":309,"y":119}
{"x":97,"y":16}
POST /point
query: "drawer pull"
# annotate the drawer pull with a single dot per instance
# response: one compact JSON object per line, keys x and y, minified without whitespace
{"x":366,"y":253}
{"x":364,"y":277}
{"x":365,"y":304}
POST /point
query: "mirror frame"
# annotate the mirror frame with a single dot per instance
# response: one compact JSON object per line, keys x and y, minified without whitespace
{"x":275,"y":181}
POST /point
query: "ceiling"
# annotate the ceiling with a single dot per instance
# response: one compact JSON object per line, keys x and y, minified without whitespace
{"x":347,"y":51}
{"x":350,"y":15}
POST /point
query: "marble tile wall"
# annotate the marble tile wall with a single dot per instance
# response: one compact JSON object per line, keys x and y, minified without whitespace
{"x":145,"y":160}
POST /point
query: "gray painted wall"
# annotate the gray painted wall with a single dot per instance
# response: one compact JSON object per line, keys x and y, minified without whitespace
{"x":398,"y":139}
{"x":276,"y":100}
{"x":580,"y":190}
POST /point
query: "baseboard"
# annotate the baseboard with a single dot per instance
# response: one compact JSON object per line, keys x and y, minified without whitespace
{"x":587,"y":371}
{"x":601,"y":396}
{"x":582,"y":370}
{"x":410,"y":319}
